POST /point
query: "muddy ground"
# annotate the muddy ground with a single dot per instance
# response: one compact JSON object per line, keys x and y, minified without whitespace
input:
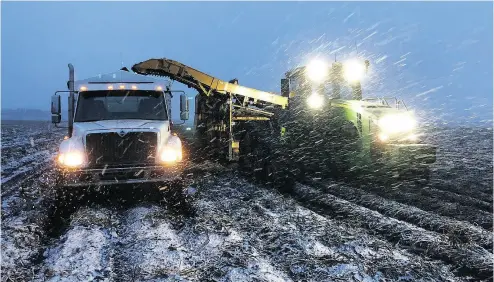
{"x":242,"y":231}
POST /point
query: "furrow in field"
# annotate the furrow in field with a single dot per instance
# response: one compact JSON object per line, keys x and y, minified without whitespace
{"x":470,"y":259}
{"x":403,"y":194}
{"x":457,"y":231}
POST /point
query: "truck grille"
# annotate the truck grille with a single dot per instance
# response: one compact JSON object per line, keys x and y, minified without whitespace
{"x":110,"y":150}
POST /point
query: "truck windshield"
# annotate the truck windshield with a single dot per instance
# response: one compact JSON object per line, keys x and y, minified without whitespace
{"x":120,"y":104}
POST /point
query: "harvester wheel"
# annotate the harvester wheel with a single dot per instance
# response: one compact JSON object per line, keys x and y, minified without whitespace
{"x":279,"y":173}
{"x":252,"y":157}
{"x":344,"y":159}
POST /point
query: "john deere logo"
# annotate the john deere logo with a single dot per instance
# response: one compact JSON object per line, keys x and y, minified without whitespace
{"x":122,"y":133}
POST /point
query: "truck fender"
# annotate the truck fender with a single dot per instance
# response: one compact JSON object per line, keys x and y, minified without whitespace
{"x":71,"y":144}
{"x":174,"y":141}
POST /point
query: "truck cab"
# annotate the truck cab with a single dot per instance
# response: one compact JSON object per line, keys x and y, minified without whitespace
{"x":120,"y":132}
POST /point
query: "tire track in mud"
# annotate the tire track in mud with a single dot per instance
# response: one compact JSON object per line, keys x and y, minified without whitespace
{"x":453,"y":197}
{"x":465,"y":191}
{"x":414,"y":196}
{"x":84,"y":244}
{"x":436,"y":190}
{"x":25,"y":219}
{"x":25,"y":213}
{"x":19,"y":162}
{"x":83,"y":252}
{"x":469,"y":259}
{"x":457,"y":231}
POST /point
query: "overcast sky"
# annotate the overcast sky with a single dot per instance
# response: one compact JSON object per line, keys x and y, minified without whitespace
{"x":435,"y":55}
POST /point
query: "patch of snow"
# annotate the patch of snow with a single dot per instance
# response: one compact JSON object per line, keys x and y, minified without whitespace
{"x":398,"y":256}
{"x":233,"y":237}
{"x":237,"y":274}
{"x":364,"y":251}
{"x":317,"y":249}
{"x":268,"y":271}
{"x":351,"y":272}
{"x":81,"y":256}
{"x":155,"y":247}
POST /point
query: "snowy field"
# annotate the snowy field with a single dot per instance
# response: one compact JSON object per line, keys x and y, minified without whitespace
{"x":241,"y":231}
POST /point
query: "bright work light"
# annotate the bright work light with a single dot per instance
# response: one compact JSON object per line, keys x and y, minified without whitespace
{"x":395,"y":123}
{"x":315,"y":101}
{"x":317,"y":70}
{"x":353,"y":70}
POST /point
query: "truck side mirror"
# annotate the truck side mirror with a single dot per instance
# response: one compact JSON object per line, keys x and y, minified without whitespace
{"x":285,"y":87}
{"x":56,"y":116}
{"x":184,"y":107}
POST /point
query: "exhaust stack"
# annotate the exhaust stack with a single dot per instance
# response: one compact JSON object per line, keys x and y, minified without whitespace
{"x":70,"y":85}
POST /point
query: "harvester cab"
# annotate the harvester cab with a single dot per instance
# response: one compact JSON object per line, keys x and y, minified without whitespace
{"x":312,"y":81}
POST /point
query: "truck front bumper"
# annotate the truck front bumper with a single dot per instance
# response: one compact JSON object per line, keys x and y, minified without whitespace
{"x":118,"y":175}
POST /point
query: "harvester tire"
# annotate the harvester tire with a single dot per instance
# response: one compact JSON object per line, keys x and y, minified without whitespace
{"x":253,"y":156}
{"x":280,"y":173}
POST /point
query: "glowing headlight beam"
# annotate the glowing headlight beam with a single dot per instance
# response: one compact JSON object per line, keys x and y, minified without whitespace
{"x":397,"y":123}
{"x":383,"y":137}
{"x":353,"y":70}
{"x":317,"y":70}
{"x":71,"y":159}
{"x":171,"y":155}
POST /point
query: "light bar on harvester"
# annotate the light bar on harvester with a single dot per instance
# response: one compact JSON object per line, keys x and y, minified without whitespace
{"x":119,"y":86}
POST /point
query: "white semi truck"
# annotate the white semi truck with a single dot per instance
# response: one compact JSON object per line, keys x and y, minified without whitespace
{"x":119,"y":132}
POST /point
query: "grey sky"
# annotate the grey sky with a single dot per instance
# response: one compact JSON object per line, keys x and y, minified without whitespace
{"x":436,"y":55}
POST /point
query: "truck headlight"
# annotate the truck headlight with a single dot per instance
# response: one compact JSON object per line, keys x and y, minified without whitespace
{"x":397,"y":123}
{"x":353,"y":70}
{"x":317,"y":70}
{"x":71,"y":159}
{"x":171,"y":155}
{"x":315,"y":101}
